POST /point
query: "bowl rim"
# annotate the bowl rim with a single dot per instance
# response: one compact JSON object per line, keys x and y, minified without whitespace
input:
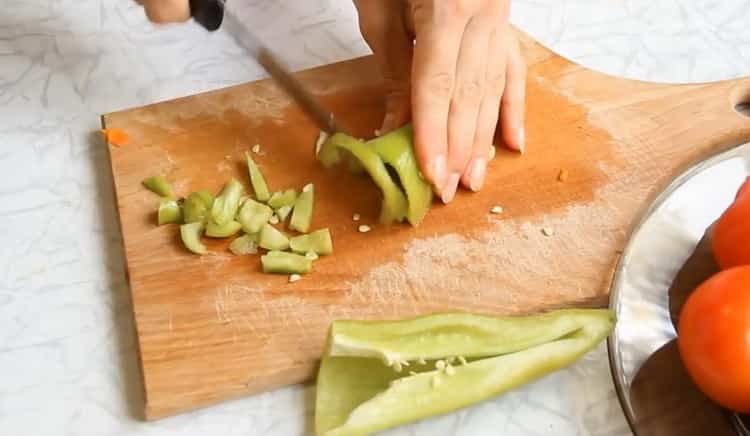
{"x":681,"y":177}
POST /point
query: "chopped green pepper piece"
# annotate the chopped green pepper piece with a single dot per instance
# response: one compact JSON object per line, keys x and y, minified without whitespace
{"x":169,"y":211}
{"x":257,"y":180}
{"x":395,"y":205}
{"x":197,"y":206}
{"x":283,"y":212}
{"x":226,"y":230}
{"x":303,"y":209}
{"x":357,"y":394}
{"x":253,"y":216}
{"x":279,"y":262}
{"x":226,"y":204}
{"x":272,"y":239}
{"x":396,"y":150}
{"x":159,"y":185}
{"x":191,"y":237}
{"x":279,"y":199}
{"x":318,"y":242}
{"x":245,"y":244}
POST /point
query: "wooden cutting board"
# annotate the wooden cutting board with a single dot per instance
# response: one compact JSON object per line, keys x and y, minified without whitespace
{"x":214,"y":327}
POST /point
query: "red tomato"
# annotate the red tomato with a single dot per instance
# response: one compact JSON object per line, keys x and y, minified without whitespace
{"x":731,"y":238}
{"x":713,"y":338}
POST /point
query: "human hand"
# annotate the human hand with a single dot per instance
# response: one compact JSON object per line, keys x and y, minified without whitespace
{"x":464,"y":72}
{"x":166,"y":11}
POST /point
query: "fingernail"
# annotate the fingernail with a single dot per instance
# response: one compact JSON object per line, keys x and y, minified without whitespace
{"x":476,"y":176}
{"x":449,"y":189}
{"x":438,"y":170}
{"x":522,"y":140}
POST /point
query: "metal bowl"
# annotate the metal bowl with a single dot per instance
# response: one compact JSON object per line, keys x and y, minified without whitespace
{"x":661,"y":242}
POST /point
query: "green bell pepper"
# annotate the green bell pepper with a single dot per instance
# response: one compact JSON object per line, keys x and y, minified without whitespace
{"x":159,"y":186}
{"x":396,"y":150}
{"x":285,"y":198}
{"x":226,"y":204}
{"x":191,"y":236}
{"x":253,"y":215}
{"x":197,"y":206}
{"x":362,"y":386}
{"x":318,"y":242}
{"x":169,"y":211}
{"x":303,"y":210}
{"x":394,"y":205}
{"x":257,"y":180}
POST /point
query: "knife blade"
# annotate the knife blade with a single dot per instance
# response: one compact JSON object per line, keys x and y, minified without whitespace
{"x":215,"y":14}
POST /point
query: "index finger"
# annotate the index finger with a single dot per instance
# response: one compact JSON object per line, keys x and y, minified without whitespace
{"x":433,"y":77}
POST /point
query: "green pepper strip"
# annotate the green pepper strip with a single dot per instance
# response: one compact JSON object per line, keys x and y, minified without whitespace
{"x":303,"y":209}
{"x":283,"y":212}
{"x":191,"y":237}
{"x":253,"y":216}
{"x":226,"y":204}
{"x":226,"y":230}
{"x":394,"y":206}
{"x":257,"y":180}
{"x":197,"y":206}
{"x":357,"y":394}
{"x":395,"y":148}
{"x":272,"y":239}
{"x":245,"y":244}
{"x":318,"y":242}
{"x":280,"y":199}
{"x":279,"y":262}
{"x":169,"y":211}
{"x":159,"y":185}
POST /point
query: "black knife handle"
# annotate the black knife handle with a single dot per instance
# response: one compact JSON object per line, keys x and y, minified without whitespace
{"x":207,"y":13}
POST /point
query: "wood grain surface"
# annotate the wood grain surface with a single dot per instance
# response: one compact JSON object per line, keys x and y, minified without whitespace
{"x":212,"y":328}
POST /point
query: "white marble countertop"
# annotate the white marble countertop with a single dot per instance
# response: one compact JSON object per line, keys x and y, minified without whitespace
{"x":67,"y":358}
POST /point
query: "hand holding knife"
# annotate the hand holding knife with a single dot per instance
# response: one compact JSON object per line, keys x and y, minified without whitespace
{"x":213,"y":14}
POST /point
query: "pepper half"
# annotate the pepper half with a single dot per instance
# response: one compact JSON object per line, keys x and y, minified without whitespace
{"x":455,"y":359}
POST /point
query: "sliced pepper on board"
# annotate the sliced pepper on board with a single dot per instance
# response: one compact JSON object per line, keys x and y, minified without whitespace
{"x":271,"y":238}
{"x":318,"y":242}
{"x":362,"y":386}
{"x":253,"y":215}
{"x":245,"y":244}
{"x":159,"y":186}
{"x":257,"y":180}
{"x":197,"y":206}
{"x":303,"y":209}
{"x":280,"y":262}
{"x":396,"y":150}
{"x":280,"y":199}
{"x":191,"y":236}
{"x":169,"y":211}
{"x":225,"y":230}
{"x":226,"y":204}
{"x":394,"y":205}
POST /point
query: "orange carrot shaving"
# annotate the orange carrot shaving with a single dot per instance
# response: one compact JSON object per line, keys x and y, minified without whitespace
{"x":116,"y":136}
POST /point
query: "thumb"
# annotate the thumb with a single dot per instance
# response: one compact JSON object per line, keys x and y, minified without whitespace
{"x":382,"y":25}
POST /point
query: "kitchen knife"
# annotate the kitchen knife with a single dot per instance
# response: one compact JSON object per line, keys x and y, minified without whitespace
{"x":213,"y":14}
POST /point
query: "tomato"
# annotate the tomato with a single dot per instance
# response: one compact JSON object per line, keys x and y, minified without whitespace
{"x":731,"y":238}
{"x":713,"y":338}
